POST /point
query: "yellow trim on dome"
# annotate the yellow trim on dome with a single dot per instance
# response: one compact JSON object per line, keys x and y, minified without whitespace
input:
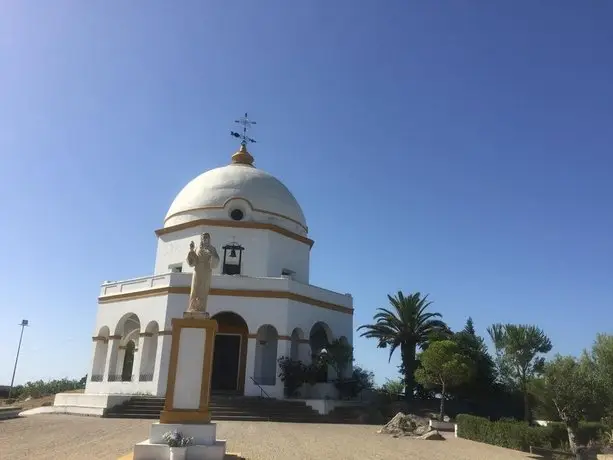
{"x":253,"y":208}
{"x":236,"y":224}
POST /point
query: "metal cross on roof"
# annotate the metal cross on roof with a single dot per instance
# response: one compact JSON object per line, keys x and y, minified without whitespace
{"x":246,"y":123}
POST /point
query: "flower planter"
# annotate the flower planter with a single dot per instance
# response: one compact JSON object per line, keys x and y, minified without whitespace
{"x":178,"y":453}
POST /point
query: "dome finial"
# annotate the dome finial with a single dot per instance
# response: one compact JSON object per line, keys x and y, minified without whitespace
{"x":243,"y":156}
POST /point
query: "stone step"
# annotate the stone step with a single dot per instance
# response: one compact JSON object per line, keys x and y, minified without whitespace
{"x":228,"y":408}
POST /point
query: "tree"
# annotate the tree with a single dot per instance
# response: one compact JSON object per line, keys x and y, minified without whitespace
{"x":393,"y":387}
{"x":573,"y":387}
{"x":600,"y":358}
{"x":364,"y":378}
{"x":518,"y":347}
{"x":339,"y":355}
{"x":406,"y":326}
{"x":443,"y":365}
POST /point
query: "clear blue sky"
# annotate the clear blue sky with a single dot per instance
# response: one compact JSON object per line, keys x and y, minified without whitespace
{"x":462,"y":149}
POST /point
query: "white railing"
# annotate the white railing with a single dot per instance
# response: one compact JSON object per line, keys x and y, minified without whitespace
{"x":281,"y":283}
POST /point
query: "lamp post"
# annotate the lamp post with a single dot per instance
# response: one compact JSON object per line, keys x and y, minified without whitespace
{"x":24,"y":323}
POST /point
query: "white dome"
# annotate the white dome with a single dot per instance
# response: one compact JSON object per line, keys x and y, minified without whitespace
{"x":216,"y":193}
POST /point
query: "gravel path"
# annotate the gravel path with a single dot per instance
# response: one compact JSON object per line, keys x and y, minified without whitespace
{"x":66,"y":437}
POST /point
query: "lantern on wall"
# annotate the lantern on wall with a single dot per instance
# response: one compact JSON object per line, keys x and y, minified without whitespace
{"x":232,"y":259}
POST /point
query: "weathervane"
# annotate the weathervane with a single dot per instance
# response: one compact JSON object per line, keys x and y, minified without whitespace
{"x":246,"y":123}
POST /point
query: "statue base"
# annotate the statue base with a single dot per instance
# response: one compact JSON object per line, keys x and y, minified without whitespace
{"x":188,"y":392}
{"x":196,"y":315}
{"x":205,"y":444}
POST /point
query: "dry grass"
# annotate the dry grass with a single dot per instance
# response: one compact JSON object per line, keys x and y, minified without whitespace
{"x":34,"y":402}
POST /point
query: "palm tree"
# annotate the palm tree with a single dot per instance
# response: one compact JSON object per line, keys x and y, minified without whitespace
{"x":518,"y":347}
{"x":408,"y":325}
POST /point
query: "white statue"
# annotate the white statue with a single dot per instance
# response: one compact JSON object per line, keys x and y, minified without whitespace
{"x":203,"y":261}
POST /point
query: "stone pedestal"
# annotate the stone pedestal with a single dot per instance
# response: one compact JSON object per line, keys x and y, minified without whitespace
{"x":187,"y":395}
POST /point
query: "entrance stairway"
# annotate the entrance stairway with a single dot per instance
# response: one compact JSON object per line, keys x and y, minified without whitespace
{"x":228,"y":408}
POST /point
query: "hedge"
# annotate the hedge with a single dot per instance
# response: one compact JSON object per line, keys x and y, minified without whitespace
{"x":520,"y":436}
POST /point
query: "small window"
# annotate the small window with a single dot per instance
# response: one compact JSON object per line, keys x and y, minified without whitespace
{"x":176,"y":268}
{"x":237,"y":214}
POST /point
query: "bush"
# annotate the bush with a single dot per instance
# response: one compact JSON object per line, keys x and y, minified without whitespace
{"x":361,"y":379}
{"x":512,"y":435}
{"x":293,"y":374}
{"x":42,"y":388}
{"x":520,"y":436}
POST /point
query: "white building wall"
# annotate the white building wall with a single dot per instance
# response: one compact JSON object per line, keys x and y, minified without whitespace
{"x":173,"y":248}
{"x":255,"y":311}
{"x":147,"y":309}
{"x":283,"y":314}
{"x":306,"y":316}
{"x":290,"y":254}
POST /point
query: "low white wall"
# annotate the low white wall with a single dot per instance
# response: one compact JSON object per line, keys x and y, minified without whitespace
{"x":132,"y":388}
{"x":325,"y":406}
{"x":319,"y":391}
{"x":86,"y":404}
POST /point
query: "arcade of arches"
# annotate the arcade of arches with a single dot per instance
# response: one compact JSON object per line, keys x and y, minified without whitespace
{"x":130,"y":355}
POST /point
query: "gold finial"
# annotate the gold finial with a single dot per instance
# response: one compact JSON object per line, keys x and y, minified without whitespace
{"x":242,"y":157}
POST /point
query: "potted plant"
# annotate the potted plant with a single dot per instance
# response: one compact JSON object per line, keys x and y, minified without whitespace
{"x":177,"y":444}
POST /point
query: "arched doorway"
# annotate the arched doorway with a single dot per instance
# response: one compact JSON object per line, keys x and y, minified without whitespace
{"x":320,"y":337}
{"x":230,"y":355}
{"x":122,"y":353}
{"x":266,"y":355}
{"x":128,"y":361}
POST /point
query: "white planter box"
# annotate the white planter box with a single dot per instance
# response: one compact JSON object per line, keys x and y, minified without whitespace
{"x":442,"y":426}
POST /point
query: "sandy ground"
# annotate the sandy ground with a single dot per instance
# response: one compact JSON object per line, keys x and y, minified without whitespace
{"x":53,"y":437}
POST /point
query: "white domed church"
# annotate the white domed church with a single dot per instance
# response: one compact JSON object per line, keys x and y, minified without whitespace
{"x":260,"y":293}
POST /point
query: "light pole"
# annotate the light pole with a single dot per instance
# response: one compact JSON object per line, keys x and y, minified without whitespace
{"x":24,"y":323}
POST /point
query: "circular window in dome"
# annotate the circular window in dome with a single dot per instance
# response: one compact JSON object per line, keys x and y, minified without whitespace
{"x":237,"y":214}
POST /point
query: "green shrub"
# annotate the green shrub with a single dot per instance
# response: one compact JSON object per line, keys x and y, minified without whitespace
{"x":520,"y":436}
{"x":512,"y":435}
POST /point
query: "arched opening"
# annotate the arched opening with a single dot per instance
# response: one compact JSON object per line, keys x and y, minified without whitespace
{"x":266,"y":355}
{"x":296,"y":339}
{"x":149,"y":352}
{"x":122,"y":353}
{"x":128,"y":361}
{"x":100,"y":352}
{"x":230,"y":355}
{"x":319,"y":338}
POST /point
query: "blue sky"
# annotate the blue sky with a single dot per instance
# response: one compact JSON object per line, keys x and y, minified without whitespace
{"x":462,"y":149}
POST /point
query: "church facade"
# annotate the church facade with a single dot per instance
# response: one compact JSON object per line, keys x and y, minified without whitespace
{"x":260,"y":292}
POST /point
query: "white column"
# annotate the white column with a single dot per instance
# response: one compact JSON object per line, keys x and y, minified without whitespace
{"x":160,"y":374}
{"x":304,"y":352}
{"x":138,"y":353}
{"x":250,"y":388}
{"x":93,"y":366}
{"x":111,"y":358}
{"x":121,"y":354}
